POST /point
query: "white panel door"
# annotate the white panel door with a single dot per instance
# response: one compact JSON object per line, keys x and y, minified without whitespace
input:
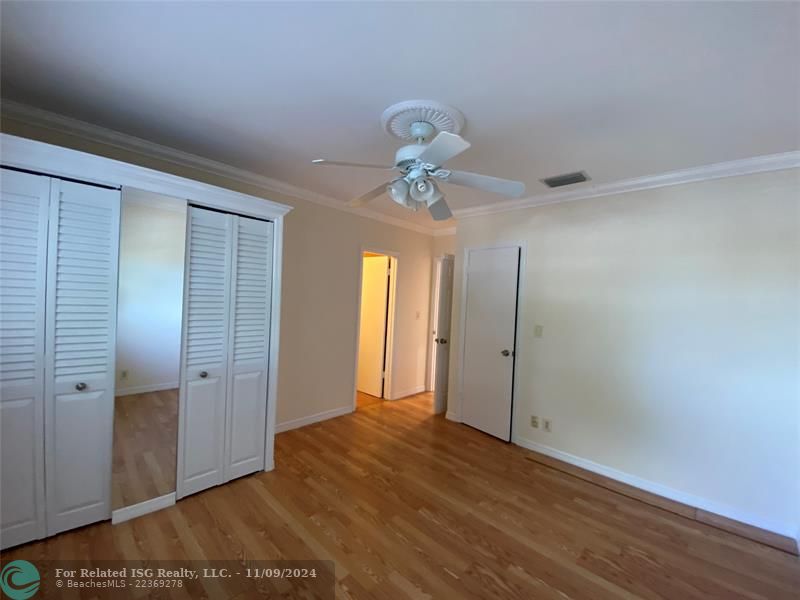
{"x":204,"y":361}
{"x":250,"y":306}
{"x":443,"y":312}
{"x":24,"y":208}
{"x":489,"y":338}
{"x":372,"y":331}
{"x":81,"y":321}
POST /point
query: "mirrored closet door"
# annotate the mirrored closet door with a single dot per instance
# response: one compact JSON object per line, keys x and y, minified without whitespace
{"x":148,"y":351}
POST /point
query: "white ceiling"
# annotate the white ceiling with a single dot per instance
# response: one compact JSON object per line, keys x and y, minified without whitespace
{"x":619,"y":89}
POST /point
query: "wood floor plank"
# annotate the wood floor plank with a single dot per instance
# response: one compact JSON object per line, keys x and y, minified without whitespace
{"x":409,"y":505}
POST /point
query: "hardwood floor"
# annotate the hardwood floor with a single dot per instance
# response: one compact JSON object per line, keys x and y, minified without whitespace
{"x":410,"y":505}
{"x":364,"y":400}
{"x":145,"y":446}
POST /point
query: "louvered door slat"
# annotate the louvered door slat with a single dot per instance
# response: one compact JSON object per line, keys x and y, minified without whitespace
{"x":81,"y":323}
{"x":24,"y":207}
{"x":201,"y":429}
{"x":250,"y":309}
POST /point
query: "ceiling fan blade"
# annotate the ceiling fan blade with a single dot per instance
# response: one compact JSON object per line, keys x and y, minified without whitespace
{"x":443,"y":147}
{"x":440,"y":211}
{"x":341,"y":163}
{"x":504,"y":187}
{"x":369,"y":196}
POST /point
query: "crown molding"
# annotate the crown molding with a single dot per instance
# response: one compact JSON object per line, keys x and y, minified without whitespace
{"x":48,"y":120}
{"x":746,"y":166}
{"x":45,"y":119}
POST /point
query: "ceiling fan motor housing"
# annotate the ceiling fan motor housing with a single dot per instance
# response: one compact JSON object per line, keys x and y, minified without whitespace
{"x":407,"y":155}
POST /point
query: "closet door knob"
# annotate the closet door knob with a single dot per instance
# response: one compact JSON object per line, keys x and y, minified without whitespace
{"x":203,"y":374}
{"x":505,"y":353}
{"x":80,"y":386}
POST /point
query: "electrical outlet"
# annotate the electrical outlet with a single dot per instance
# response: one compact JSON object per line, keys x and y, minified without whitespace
{"x":538,"y":331}
{"x":534,"y":421}
{"x":123,"y":375}
{"x":547,"y":426}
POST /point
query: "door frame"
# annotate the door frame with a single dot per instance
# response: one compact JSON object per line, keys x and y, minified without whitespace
{"x":391,"y":317}
{"x":522,"y":245}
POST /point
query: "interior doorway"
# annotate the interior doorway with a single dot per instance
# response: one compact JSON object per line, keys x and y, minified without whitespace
{"x":375,"y":329}
{"x":441,"y":304}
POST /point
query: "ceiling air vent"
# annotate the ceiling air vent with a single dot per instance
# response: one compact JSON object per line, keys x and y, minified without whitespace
{"x":565,"y":179}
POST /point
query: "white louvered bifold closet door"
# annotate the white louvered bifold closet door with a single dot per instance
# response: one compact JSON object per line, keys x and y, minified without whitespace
{"x":251,"y":293}
{"x":24,"y":205}
{"x":204,"y":361}
{"x":83,"y":253}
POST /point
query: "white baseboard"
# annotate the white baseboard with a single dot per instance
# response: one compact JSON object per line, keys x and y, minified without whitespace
{"x":450,"y":416}
{"x":785,"y":529}
{"x":321,"y":416}
{"x":142,"y":508}
{"x":144,"y":389}
{"x":410,"y":392}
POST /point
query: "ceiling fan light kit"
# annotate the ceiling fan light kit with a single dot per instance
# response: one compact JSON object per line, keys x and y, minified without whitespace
{"x":433,"y":129}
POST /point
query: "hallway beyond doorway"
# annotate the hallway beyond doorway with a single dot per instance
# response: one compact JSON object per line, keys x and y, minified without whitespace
{"x":364,"y":400}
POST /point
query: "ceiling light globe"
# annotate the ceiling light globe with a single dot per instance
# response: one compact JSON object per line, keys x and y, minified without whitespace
{"x":425,"y":191}
{"x":398,"y":191}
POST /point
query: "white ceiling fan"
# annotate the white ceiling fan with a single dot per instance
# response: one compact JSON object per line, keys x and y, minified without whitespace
{"x":420,"y":163}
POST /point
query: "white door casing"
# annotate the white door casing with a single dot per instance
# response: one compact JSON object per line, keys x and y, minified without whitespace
{"x":492,"y":276}
{"x":81,"y":305}
{"x":204,"y":356}
{"x":373,"y":323}
{"x":24,"y":209}
{"x":250,"y":308}
{"x":443,"y":314}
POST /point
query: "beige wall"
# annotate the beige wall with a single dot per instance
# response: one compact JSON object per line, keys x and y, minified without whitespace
{"x":444,"y":244}
{"x":322,"y":253}
{"x":670,"y":346}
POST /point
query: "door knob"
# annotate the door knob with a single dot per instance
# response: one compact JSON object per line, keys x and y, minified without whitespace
{"x":203,"y":374}
{"x":505,"y":353}
{"x":80,"y":386}
{"x":437,"y":341}
{"x":442,"y":341}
